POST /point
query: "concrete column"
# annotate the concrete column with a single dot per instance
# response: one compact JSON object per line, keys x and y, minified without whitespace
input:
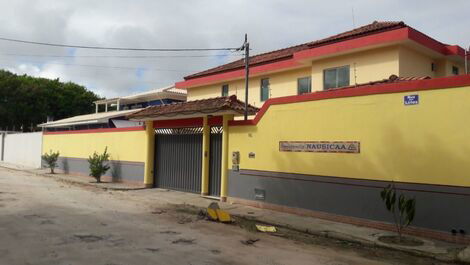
{"x":150,"y":153}
{"x":225,"y":158}
{"x":96,"y":104}
{"x":106,"y":107}
{"x":118,"y":108}
{"x":206,"y":134}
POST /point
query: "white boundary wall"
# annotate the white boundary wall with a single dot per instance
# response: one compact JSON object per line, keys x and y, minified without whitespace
{"x":1,"y":145}
{"x":23,"y":149}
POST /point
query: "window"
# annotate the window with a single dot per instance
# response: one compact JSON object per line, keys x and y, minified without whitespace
{"x":304,"y":85}
{"x":336,"y":77}
{"x":225,"y":91}
{"x":264,"y":89}
{"x":455,"y":70}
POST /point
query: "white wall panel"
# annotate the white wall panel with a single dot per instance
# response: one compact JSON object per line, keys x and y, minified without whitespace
{"x":23,"y":149}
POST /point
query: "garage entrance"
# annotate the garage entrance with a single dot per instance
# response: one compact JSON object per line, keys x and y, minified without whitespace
{"x":215,"y":161}
{"x":178,"y":159}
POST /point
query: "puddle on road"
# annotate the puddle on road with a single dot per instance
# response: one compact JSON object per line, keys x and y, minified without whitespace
{"x":89,"y":238}
{"x":169,"y":232}
{"x":184,"y":241}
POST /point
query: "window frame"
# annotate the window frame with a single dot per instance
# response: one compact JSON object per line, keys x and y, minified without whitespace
{"x":337,"y":79}
{"x":222,"y":90}
{"x":261,"y":89}
{"x":309,"y":88}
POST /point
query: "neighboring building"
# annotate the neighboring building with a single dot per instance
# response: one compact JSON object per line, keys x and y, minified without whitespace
{"x":369,"y":53}
{"x":153,"y":97}
{"x":116,"y":109}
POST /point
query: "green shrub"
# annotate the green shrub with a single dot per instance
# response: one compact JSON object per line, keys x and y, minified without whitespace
{"x":403,"y":209}
{"x":51,"y":160}
{"x":99,"y":164}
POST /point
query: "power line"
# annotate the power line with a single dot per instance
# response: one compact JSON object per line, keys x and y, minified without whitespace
{"x":118,"y":48}
{"x":119,"y":56}
{"x":110,"y":67}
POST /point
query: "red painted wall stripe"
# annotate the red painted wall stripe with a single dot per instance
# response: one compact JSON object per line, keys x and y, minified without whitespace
{"x":418,"y":85}
{"x":184,"y":123}
{"x":103,"y":130}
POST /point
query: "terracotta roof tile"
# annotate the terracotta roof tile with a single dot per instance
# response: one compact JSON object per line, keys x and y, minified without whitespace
{"x":203,"y":106}
{"x":287,"y":53}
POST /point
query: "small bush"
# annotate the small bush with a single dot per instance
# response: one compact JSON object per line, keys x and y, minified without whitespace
{"x":51,"y":160}
{"x":98,"y":164}
{"x":403,"y":209}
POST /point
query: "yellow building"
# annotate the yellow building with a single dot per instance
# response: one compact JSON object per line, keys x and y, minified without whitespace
{"x":334,"y":122}
{"x":369,"y":53}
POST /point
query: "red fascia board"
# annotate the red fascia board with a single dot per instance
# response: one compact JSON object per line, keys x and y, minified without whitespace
{"x":343,"y":46}
{"x":409,"y":86}
{"x":375,"y":39}
{"x":180,"y":123}
{"x":103,"y":130}
{"x":455,"y":50}
{"x":185,"y":123}
{"x":281,"y":65}
{"x":435,"y":45}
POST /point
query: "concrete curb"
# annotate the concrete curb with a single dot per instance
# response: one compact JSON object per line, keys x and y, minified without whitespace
{"x":458,"y":256}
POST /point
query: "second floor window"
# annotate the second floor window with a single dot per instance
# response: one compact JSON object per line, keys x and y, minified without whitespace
{"x":264,"y":89}
{"x":336,"y":77}
{"x":304,"y":85}
{"x":225,"y":91}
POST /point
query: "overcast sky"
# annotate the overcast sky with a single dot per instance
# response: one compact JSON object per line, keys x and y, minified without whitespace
{"x":270,"y":24}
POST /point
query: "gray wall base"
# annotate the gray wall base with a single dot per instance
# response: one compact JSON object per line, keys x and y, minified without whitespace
{"x":441,"y":208}
{"x":120,"y":170}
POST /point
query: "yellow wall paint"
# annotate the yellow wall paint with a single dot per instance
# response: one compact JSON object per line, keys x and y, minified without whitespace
{"x":365,"y":66}
{"x":281,"y":84}
{"x":413,"y":63}
{"x":126,"y":146}
{"x":425,"y":143}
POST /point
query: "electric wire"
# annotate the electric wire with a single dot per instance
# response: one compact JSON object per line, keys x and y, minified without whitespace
{"x":119,"y":56}
{"x":119,"y":48}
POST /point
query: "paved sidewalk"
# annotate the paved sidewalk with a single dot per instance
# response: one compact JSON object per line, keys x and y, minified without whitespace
{"x":366,"y":236}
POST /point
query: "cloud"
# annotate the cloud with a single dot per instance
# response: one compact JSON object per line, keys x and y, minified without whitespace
{"x":270,"y":24}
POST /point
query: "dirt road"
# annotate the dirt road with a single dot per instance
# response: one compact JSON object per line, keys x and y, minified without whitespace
{"x":47,"y":222}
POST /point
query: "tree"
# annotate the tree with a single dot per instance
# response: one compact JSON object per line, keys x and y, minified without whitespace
{"x":27,"y":101}
{"x":403,"y":210}
{"x":98,"y":164}
{"x":51,"y":160}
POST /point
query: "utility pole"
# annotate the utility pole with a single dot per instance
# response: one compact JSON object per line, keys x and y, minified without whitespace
{"x":246,"y":45}
{"x":466,"y":59}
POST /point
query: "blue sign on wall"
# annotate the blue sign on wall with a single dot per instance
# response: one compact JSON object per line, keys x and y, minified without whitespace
{"x":411,"y":100}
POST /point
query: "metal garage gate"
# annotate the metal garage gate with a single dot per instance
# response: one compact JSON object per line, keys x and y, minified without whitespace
{"x":215,"y":161}
{"x":178,"y":159}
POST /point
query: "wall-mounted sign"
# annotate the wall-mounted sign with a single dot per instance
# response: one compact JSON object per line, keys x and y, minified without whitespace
{"x":411,"y":100}
{"x":320,"y":146}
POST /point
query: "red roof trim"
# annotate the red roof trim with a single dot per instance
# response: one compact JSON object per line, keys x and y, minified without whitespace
{"x":375,"y":39}
{"x":103,"y":130}
{"x":418,"y":85}
{"x":280,"y":65}
{"x":342,"y":46}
